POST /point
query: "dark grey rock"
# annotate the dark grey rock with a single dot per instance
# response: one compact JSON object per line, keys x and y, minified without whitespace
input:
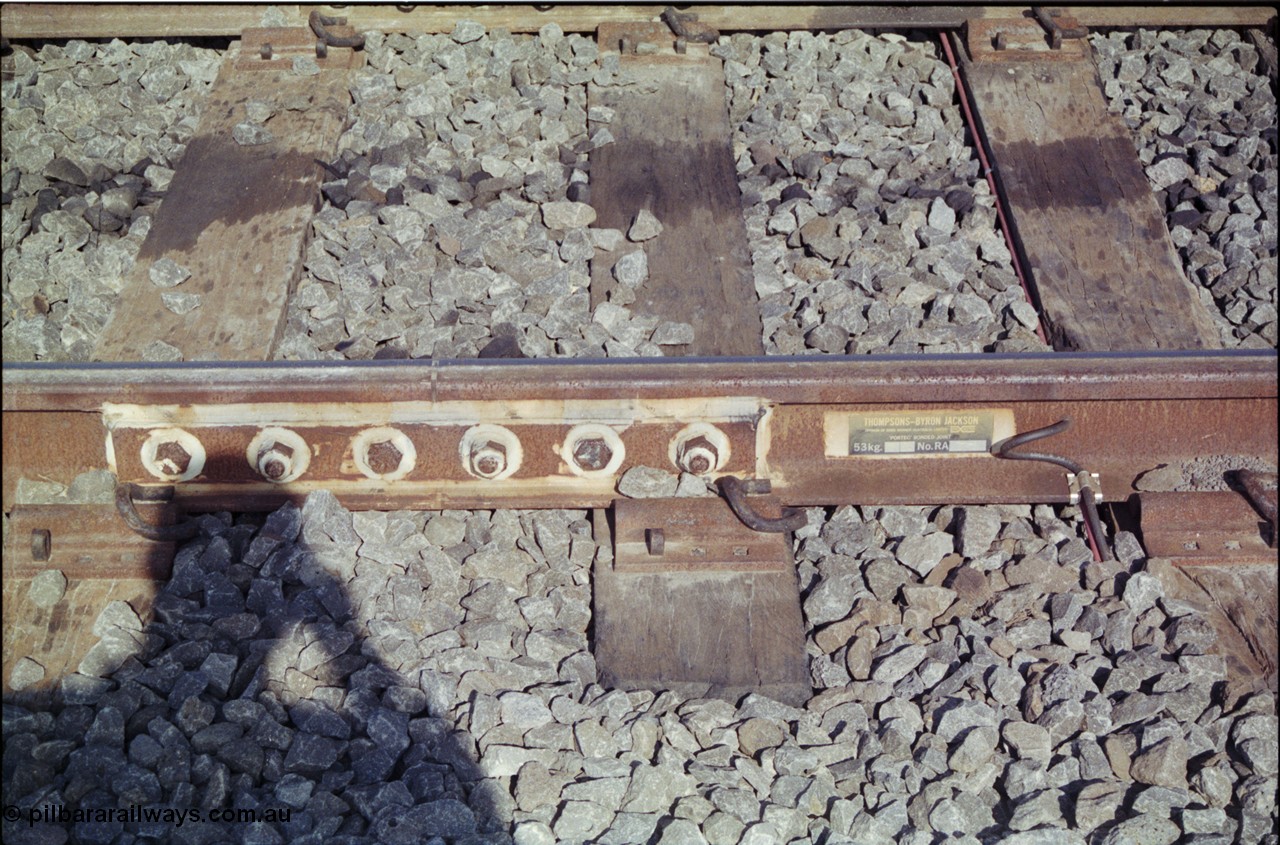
{"x":310,"y":754}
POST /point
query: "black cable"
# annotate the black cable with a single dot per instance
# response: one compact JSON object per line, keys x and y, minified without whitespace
{"x":1093,"y":523}
{"x":735,"y":493}
{"x":126,"y":493}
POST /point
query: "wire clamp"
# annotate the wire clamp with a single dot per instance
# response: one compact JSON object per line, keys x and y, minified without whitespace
{"x":1079,"y":481}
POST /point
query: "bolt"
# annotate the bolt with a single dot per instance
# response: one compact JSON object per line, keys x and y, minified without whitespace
{"x":383,"y":457}
{"x":592,"y":454}
{"x":41,"y":544}
{"x":171,"y":458}
{"x":698,"y":455}
{"x":275,"y":460}
{"x":488,"y":459}
{"x":265,"y":51}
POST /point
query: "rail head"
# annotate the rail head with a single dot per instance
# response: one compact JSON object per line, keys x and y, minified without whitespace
{"x":85,"y":20}
{"x":791,"y":380}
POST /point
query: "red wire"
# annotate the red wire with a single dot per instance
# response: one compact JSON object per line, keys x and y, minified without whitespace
{"x":991,"y":183}
{"x":1093,"y":541}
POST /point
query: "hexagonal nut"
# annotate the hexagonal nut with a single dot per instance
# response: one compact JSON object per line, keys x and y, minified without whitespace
{"x":592,"y":453}
{"x":698,"y":455}
{"x":384,"y":457}
{"x":278,"y":455}
{"x":275,"y":460}
{"x":592,"y":450}
{"x":172,"y":458}
{"x":489,"y":459}
{"x":172,"y":454}
{"x":383,"y":453}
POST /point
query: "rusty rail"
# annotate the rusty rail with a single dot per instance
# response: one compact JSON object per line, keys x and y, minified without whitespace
{"x":84,"y":20}
{"x":1234,"y":374}
{"x":204,"y":427}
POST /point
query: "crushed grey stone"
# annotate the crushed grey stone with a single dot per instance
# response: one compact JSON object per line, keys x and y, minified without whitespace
{"x":567,"y":215}
{"x":464,"y":31}
{"x":672,"y":334}
{"x":181,"y":303}
{"x":303,"y":66}
{"x":632,"y":269}
{"x":923,"y":553}
{"x":1145,"y":829}
{"x":159,"y":350}
{"x":1207,"y":99}
{"x":26,"y":672}
{"x":248,"y":134}
{"x":648,"y":483}
{"x":47,"y":588}
{"x":167,"y":273}
{"x":645,"y":227}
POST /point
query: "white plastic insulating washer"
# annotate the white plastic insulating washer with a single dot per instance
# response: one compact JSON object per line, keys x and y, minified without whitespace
{"x":164,"y":468}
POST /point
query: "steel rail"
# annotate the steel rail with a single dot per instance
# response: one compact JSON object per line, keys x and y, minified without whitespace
{"x":1056,"y":376}
{"x":980,"y":146}
{"x":205,"y":427}
{"x":84,"y":20}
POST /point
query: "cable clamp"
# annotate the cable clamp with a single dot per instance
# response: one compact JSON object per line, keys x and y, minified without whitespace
{"x":1078,"y":481}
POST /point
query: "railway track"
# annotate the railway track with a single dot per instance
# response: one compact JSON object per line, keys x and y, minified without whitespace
{"x":748,"y":595}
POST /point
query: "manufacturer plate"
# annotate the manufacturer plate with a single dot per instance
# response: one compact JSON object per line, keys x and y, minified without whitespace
{"x":945,"y":432}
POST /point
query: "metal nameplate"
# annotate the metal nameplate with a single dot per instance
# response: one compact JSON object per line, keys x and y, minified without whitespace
{"x":919,"y":433}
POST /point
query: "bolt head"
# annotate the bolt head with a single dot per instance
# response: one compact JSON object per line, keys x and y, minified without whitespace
{"x":384,"y":458}
{"x":172,"y":458}
{"x":592,"y":454}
